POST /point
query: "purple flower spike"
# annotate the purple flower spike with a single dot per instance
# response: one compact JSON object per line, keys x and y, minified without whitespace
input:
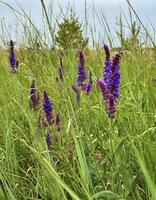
{"x":108,"y":65}
{"x":111,"y":106}
{"x":115,"y":79}
{"x":77,"y":92}
{"x":103,"y":88}
{"x":107,"y":52}
{"x":110,"y":85}
{"x":58,"y":122}
{"x":34,"y":97}
{"x":81,"y":58}
{"x":81,"y":70}
{"x":109,"y":99}
{"x":48,"y":139}
{"x":89,"y":86}
{"x":12,"y":58}
{"x":48,"y":109}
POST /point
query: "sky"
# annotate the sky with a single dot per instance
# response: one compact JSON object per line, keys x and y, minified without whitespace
{"x":112,"y":8}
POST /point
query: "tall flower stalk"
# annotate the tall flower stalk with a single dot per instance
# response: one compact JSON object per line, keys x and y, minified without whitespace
{"x":108,"y":65}
{"x":82,"y":76}
{"x":77,"y":92}
{"x":110,"y":84}
{"x":48,"y":108}
{"x":12,"y":57}
{"x":89,"y":85}
{"x":48,"y":139}
{"x":115,"y":78}
{"x":81,"y":70}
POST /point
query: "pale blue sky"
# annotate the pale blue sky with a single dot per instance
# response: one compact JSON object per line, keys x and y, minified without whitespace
{"x":146,"y":9}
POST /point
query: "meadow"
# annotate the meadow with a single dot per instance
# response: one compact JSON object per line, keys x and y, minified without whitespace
{"x":90,"y":156}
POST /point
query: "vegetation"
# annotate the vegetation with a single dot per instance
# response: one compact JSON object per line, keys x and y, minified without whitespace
{"x":70,"y":34}
{"x":91,"y":157}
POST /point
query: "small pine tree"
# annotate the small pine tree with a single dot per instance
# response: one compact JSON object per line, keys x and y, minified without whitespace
{"x":70,"y":34}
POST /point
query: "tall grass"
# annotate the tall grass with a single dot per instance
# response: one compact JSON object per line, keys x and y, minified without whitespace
{"x":95,"y":158}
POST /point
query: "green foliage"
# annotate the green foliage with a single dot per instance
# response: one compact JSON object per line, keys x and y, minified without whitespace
{"x":95,"y":158}
{"x":70,"y":34}
{"x":132,"y":41}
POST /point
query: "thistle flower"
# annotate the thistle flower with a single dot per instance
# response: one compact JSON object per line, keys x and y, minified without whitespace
{"x":89,"y":85}
{"x":12,"y":58}
{"x":61,"y":70}
{"x":48,"y":108}
{"x":58,"y":122}
{"x":48,"y":139}
{"x":34,"y":97}
{"x":77,"y":92}
{"x":81,"y":70}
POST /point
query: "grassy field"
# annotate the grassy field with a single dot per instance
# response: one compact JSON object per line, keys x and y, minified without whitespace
{"x":92,"y":157}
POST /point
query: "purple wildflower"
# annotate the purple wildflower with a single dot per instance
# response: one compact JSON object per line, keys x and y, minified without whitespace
{"x":107,"y":52}
{"x":77,"y":92}
{"x":89,"y":85}
{"x":12,"y":58}
{"x":48,"y":109}
{"x":103,"y":88}
{"x":58,"y":122}
{"x":111,"y":106}
{"x":81,"y":70}
{"x":48,"y":139}
{"x":108,"y":65}
{"x":111,"y":82}
{"x":81,"y":58}
{"x":109,"y":98}
{"x":34,"y":97}
{"x":115,"y":79}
